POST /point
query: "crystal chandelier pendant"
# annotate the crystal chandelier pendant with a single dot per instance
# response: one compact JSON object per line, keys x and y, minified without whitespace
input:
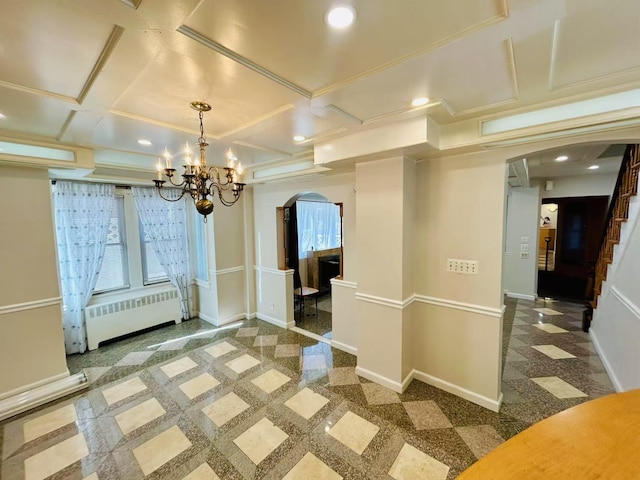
{"x":199,"y":180}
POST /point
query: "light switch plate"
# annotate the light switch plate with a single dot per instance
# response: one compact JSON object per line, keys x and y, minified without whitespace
{"x":524,"y":247}
{"x":524,"y":255}
{"x":524,"y":239}
{"x":467,"y":267}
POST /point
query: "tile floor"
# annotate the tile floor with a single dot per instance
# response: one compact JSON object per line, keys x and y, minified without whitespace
{"x":255,"y":401}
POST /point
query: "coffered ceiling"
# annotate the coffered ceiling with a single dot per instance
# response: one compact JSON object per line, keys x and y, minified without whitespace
{"x":103,"y":74}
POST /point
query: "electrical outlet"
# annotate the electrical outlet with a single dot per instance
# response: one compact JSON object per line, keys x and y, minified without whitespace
{"x":524,"y":255}
{"x":524,"y":247}
{"x":468,"y":267}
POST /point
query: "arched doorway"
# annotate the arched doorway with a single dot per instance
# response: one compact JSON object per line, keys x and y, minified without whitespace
{"x":313,"y":250}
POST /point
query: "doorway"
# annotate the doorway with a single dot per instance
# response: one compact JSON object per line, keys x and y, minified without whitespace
{"x":570,"y":233}
{"x":313,"y":250}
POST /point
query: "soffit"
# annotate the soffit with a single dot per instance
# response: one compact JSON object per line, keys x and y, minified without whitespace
{"x":544,"y":164}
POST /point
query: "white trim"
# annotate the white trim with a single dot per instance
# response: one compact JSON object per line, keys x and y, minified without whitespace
{"x":467,"y":307}
{"x":486,"y":402}
{"x":344,"y":347}
{"x":251,"y":316}
{"x":633,"y":308}
{"x":275,"y":321}
{"x":274,"y":271}
{"x":34,"y":385}
{"x":343,"y":283}
{"x":225,"y":321}
{"x":207,"y":318}
{"x":309,"y":334}
{"x":46,"y":391}
{"x":226,"y":271}
{"x":232,"y":318}
{"x":20,"y":307}
{"x":605,"y":362}
{"x":201,"y":283}
{"x":379,"y":379}
{"x":522,"y":296}
{"x":387,"y":302}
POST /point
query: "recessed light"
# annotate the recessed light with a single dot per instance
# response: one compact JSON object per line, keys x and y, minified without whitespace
{"x":299,"y":138}
{"x":594,"y":167}
{"x":561,"y":158}
{"x":418,"y":102}
{"x":2,"y":115}
{"x":341,"y":17}
{"x":144,"y":142}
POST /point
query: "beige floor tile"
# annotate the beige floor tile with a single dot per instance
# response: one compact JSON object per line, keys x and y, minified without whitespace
{"x":260,"y":440}
{"x":242,"y":363}
{"x":49,"y":422}
{"x":140,"y":415}
{"x":313,"y":362}
{"x":93,"y":476}
{"x":558,"y":387}
{"x":123,"y":390}
{"x":154,"y":453}
{"x":55,"y":458}
{"x":426,"y":415}
{"x":287,"y":350}
{"x":306,"y":403}
{"x":552,"y":351}
{"x":199,"y":385}
{"x":225,"y":408}
{"x":354,"y":432}
{"x":412,"y":464}
{"x":265,"y":341}
{"x":220,"y":349}
{"x":549,"y":328}
{"x":270,"y":381}
{"x":311,"y":467}
{"x":548,"y":311}
{"x":343,"y":376}
{"x":174,"y":369}
{"x":481,"y":439}
{"x":379,"y":395}
{"x":203,"y":472}
{"x":134,"y":358}
{"x":247,"y":332}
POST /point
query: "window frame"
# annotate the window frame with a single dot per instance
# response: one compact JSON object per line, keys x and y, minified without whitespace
{"x":143,"y":258}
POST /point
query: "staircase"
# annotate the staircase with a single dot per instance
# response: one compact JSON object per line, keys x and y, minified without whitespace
{"x":626,"y":188}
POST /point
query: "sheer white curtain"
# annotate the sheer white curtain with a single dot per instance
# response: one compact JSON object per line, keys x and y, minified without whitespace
{"x":166,"y":224}
{"x":318,"y":226}
{"x":82,"y":213}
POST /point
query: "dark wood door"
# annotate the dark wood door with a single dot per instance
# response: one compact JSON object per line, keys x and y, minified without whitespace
{"x":580,"y":224}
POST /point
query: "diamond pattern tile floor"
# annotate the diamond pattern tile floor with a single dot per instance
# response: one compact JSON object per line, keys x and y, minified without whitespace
{"x":198,"y":403}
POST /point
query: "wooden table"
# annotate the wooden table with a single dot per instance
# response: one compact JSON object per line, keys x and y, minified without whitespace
{"x":599,"y":439}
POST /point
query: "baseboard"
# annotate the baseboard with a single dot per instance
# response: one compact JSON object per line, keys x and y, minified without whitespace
{"x":251,"y":316}
{"x":309,"y":334}
{"x":275,"y":321}
{"x":605,"y":362}
{"x":486,"y":402}
{"x":44,"y":393}
{"x":522,"y":296}
{"x":344,"y":347}
{"x":233,"y":318}
{"x":207,"y":318}
{"x":384,"y":381}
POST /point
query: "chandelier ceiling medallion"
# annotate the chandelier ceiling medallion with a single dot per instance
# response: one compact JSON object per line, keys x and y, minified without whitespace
{"x":200,"y":180}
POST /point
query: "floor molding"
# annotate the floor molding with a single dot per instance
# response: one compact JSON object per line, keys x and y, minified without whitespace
{"x":275,"y":321}
{"x":309,"y":334}
{"x":607,"y":366}
{"x":522,"y":296}
{"x":344,"y":347}
{"x":45,"y":392}
{"x":384,"y":381}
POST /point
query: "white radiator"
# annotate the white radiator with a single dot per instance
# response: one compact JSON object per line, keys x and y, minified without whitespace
{"x":110,"y":320}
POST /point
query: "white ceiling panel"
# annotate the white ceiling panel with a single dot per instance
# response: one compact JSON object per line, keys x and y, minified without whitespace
{"x":467,"y":75}
{"x":48,"y":46}
{"x":171,"y":81}
{"x":32,"y":114}
{"x":277,"y":133}
{"x":596,"y":44}
{"x":291,"y":39}
{"x":122,"y":133}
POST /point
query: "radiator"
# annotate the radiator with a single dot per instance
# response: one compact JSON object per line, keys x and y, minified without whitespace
{"x":110,"y":320}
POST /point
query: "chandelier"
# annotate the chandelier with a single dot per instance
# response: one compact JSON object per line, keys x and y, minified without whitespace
{"x":199,"y":180}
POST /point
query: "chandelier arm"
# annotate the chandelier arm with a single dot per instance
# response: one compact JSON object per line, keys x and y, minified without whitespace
{"x":170,"y":199}
{"x":175,"y":184}
{"x":223,"y":200}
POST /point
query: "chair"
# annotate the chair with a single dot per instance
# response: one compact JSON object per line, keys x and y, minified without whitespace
{"x":300,"y":293}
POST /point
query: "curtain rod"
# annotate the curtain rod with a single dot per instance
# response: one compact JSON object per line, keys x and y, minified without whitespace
{"x":126,"y":187}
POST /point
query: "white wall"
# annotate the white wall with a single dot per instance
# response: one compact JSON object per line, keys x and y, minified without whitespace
{"x":31,"y":339}
{"x":589,"y":184}
{"x":616,"y":323}
{"x":521,"y":275}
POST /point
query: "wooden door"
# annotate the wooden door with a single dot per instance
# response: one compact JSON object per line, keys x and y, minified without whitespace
{"x":580,"y":225}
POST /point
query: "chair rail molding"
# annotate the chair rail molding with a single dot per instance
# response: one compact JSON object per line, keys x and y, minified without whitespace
{"x":19,"y":307}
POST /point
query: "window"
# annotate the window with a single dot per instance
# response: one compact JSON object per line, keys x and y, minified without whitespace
{"x":318,"y":226}
{"x":152,"y":271}
{"x":114,"y":272}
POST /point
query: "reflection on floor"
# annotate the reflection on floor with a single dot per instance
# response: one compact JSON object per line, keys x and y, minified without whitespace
{"x":255,"y":401}
{"x":319,"y":323}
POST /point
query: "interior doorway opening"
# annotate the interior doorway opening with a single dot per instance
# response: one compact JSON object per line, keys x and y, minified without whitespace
{"x":312,"y":232}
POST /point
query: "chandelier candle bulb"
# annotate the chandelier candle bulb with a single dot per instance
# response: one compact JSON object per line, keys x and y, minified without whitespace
{"x":159,"y":169}
{"x":167,"y":157}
